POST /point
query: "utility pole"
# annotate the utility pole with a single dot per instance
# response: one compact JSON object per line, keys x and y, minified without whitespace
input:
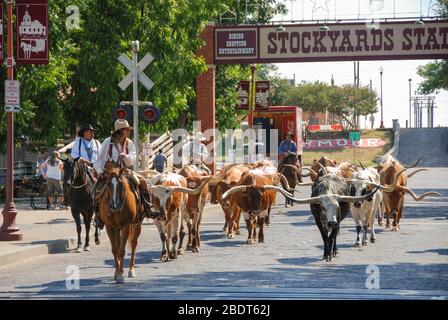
{"x":9,"y":231}
{"x":410,"y":101}
{"x":381,"y":81}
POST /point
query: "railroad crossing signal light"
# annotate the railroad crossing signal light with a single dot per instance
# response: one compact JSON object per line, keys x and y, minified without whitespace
{"x":122,"y":112}
{"x":150,"y":114}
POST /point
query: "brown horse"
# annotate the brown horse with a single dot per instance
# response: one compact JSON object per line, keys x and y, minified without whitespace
{"x":122,"y":213}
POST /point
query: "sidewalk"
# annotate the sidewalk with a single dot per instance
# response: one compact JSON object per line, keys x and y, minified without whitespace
{"x":44,"y":232}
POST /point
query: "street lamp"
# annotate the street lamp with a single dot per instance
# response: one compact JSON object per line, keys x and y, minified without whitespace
{"x":381,"y":99}
{"x":410,"y":101}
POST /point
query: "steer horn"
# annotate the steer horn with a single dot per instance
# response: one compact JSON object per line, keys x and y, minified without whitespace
{"x":416,"y":171}
{"x":285,"y":181}
{"x":338,"y":197}
{"x":324,"y":170}
{"x":192,"y":191}
{"x":386,"y":188}
{"x":362,"y":166}
{"x":233,"y":190}
{"x":303,"y":184}
{"x":422,"y":196}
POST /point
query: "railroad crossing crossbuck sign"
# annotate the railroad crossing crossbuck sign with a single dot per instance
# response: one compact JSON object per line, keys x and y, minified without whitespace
{"x":142,"y":78}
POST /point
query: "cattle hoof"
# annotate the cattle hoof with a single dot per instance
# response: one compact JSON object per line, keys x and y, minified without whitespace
{"x":87,"y":248}
{"x":387,"y":226}
{"x":380,"y":223}
{"x":180,"y":251}
{"x":260,"y":240}
{"x":357,"y":244}
{"x":97,"y":242}
{"x":230,"y":236}
{"x":119,"y":279}
{"x":335,"y":253}
{"x":196,"y":249}
{"x":328,"y":258}
{"x":164,"y":257}
{"x":250,"y":241}
{"x":364,"y":242}
{"x":173,"y":255}
{"x":238,"y":232}
{"x":131,"y":273}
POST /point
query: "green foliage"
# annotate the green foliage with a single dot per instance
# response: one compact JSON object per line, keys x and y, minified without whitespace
{"x":435,"y":74}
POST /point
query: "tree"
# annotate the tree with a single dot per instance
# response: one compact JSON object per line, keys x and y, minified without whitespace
{"x":435,"y":74}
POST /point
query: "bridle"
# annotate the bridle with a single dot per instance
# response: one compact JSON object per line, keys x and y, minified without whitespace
{"x":75,"y":173}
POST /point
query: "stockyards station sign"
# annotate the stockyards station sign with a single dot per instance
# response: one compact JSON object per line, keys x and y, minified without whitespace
{"x":341,"y":42}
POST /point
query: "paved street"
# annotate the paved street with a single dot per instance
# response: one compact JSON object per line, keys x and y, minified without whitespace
{"x":413,"y":263}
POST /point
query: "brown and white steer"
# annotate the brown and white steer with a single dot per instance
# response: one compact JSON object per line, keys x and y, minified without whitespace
{"x":195,"y":206}
{"x":170,"y":196}
{"x":254,"y":194}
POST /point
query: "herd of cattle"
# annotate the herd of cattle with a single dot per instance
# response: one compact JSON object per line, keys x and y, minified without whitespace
{"x":250,"y":189}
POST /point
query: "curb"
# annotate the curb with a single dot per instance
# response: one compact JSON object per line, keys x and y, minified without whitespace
{"x":32,"y":251}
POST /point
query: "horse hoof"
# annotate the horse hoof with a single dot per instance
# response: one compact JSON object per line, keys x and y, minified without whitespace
{"x":87,"y":248}
{"x":78,"y":249}
{"x":132,"y":274}
{"x":119,"y":279}
{"x":180,"y":251}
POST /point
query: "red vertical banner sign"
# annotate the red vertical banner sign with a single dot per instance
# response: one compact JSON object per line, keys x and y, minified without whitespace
{"x":32,"y":31}
{"x":243,"y":94}
{"x":262,"y":95}
{"x":1,"y":32}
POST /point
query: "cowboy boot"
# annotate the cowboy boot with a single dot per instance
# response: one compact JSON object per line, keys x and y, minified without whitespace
{"x":146,"y":200}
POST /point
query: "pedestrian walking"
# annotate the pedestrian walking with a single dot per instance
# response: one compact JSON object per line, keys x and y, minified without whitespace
{"x":52,"y":172}
{"x":160,"y":161}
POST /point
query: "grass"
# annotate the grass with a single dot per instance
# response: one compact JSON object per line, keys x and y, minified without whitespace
{"x":365,"y":155}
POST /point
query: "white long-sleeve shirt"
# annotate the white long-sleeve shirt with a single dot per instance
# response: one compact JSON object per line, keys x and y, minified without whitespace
{"x":104,"y":156}
{"x":200,"y":153}
{"x":93,"y":144}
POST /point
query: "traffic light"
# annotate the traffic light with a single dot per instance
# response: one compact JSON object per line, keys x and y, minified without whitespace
{"x":150,"y":113}
{"x":122,"y":111}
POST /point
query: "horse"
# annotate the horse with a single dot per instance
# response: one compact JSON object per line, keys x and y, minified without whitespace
{"x":79,"y":189}
{"x":288,"y":167}
{"x":122,"y":213}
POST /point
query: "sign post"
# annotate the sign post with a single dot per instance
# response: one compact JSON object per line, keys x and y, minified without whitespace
{"x":9,"y":231}
{"x":12,"y":96}
{"x":354,"y":136}
{"x":134,"y":76}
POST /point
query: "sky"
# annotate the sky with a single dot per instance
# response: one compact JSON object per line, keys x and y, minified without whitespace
{"x":396,"y":73}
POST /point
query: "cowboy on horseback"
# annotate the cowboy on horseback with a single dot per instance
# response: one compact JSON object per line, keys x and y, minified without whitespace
{"x":118,"y":151}
{"x":86,"y":149}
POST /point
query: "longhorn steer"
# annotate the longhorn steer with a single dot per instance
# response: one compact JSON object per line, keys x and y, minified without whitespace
{"x":195,"y":206}
{"x":170,"y":197}
{"x":363,"y":213}
{"x":394,"y":201}
{"x":329,"y":203}
{"x":254,"y":194}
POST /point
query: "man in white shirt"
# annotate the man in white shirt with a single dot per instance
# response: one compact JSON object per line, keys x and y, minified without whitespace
{"x":195,"y":152}
{"x":85,"y":146}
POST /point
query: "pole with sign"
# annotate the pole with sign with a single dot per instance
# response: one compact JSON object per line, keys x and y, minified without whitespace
{"x":134,"y":76}
{"x":8,"y":230}
{"x":354,"y":136}
{"x":12,"y":96}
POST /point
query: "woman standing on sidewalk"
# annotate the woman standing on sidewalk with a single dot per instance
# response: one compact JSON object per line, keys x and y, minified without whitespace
{"x":53,"y":175}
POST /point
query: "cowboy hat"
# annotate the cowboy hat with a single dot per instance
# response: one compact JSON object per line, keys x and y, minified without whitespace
{"x":198,"y":136}
{"x":85,"y":127}
{"x":121,"y":124}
